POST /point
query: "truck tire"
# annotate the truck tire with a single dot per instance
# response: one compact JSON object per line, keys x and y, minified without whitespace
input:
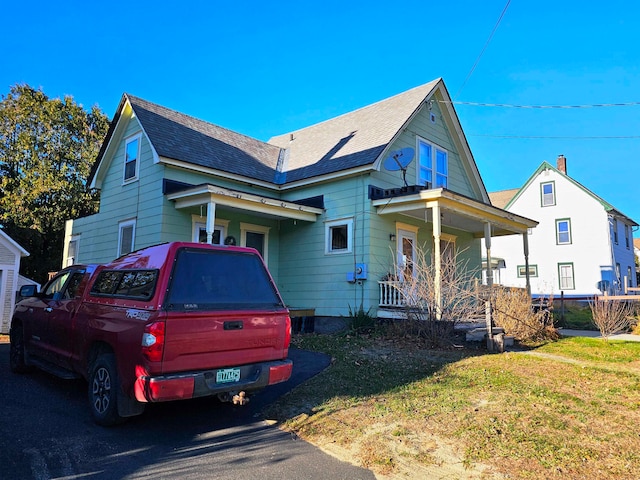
{"x":17,"y":360}
{"x":103,"y":391}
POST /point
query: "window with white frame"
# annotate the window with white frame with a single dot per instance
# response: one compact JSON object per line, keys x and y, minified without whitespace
{"x":433,"y":165}
{"x":522,"y":271}
{"x":126,"y":236}
{"x":565,"y":274}
{"x":255,"y":236}
{"x":548,"y":194}
{"x":72,"y":250}
{"x":199,"y":232}
{"x":131,"y":158}
{"x":339,"y":236}
{"x":563,"y":231}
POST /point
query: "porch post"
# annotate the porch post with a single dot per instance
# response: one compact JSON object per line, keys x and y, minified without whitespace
{"x":488,"y":306}
{"x":437,"y":258}
{"x":211,"y":220}
{"x":525,"y":245}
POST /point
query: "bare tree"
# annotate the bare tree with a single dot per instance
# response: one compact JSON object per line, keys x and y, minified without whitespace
{"x":434,"y":308}
{"x":611,"y":316}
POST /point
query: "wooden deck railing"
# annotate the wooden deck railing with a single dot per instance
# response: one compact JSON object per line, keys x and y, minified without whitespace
{"x":390,"y":294}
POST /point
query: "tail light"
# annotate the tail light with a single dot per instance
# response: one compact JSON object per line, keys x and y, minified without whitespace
{"x":153,"y":341}
{"x":287,"y":334}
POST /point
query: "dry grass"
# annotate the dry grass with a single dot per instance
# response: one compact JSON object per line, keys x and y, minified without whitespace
{"x":568,"y":409}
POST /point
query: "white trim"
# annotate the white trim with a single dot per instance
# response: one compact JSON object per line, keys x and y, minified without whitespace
{"x":201,"y":194}
{"x":137,"y":137}
{"x":198,"y":221}
{"x":328,"y":225}
{"x":249,"y":227}
{"x":434,"y":162}
{"x":122,"y":225}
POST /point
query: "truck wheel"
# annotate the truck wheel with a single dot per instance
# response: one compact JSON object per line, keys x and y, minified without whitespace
{"x":103,"y":391}
{"x":17,"y":361}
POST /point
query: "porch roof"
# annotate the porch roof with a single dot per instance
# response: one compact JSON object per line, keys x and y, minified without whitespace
{"x":249,"y":202}
{"x":457,"y":211}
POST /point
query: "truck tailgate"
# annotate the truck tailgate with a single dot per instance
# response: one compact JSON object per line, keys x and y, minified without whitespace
{"x":207,"y":340}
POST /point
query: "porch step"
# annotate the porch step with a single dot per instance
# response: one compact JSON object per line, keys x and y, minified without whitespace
{"x":479,"y":335}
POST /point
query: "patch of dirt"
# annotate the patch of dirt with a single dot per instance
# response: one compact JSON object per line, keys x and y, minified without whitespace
{"x":444,"y":462}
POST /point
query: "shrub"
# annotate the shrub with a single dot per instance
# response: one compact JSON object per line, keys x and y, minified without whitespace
{"x":514,"y":312}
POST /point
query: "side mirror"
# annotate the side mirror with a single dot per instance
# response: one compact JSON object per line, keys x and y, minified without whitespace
{"x":28,"y":291}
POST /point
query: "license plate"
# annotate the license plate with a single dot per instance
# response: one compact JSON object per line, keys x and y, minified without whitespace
{"x":228,"y":375}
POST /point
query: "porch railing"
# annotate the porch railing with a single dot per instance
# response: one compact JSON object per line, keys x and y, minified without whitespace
{"x":390,"y":294}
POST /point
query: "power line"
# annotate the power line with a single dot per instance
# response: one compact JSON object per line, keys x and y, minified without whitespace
{"x":559,"y":137}
{"x":504,"y":10}
{"x":507,"y":105}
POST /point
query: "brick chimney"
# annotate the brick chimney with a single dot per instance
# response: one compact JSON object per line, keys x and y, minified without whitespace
{"x":562,"y":164}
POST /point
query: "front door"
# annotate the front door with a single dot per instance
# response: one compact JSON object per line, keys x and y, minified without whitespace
{"x":406,"y":253}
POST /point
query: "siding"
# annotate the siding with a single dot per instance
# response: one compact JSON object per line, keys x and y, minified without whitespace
{"x":590,"y":250}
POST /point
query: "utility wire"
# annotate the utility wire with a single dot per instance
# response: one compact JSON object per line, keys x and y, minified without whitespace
{"x":504,"y":10}
{"x":507,"y":105}
{"x":559,"y":137}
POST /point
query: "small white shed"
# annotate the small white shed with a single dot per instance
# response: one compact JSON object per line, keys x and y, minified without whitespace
{"x":10,"y":255}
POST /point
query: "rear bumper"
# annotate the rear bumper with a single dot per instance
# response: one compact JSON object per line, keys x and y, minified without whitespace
{"x":185,"y":385}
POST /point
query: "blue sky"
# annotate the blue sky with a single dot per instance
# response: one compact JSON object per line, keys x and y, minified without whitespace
{"x":266,"y":68}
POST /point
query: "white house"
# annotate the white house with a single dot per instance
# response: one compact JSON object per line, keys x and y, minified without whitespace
{"x":582,"y":245}
{"x":10,"y":255}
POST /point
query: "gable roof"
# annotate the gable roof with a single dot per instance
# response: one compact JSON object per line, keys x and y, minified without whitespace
{"x":12,"y":244}
{"x":351,"y":140}
{"x":354,"y":141}
{"x":547,"y":166}
{"x":501,"y":198}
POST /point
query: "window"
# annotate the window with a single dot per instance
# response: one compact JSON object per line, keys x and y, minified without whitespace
{"x":338,"y":236}
{"x":126,"y":283}
{"x":72,"y":250}
{"x":56,"y":285}
{"x":626,"y":236}
{"x":200,"y":230}
{"x":432,"y":159}
{"x":565,"y":273}
{"x":131,"y":156}
{"x":548,"y":192}
{"x":522,"y":271}
{"x":629,"y":280}
{"x":126,"y":237}
{"x":563,"y":231}
{"x":206,"y":279}
{"x":615,"y":231}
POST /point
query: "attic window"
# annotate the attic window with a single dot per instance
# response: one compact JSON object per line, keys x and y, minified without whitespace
{"x":432,"y":159}
{"x":548,"y":192}
{"x":131,"y":156}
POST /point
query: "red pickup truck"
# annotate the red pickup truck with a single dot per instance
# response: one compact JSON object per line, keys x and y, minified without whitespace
{"x":168,"y":322}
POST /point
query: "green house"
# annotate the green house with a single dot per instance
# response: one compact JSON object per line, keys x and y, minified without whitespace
{"x":333,"y":208}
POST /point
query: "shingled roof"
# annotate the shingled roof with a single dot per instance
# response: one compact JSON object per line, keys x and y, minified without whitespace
{"x":181,"y":137}
{"x":501,"y":198}
{"x":351,"y":140}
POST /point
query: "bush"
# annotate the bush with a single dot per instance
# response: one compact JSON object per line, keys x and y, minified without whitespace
{"x":513,"y":310}
{"x":612,"y":316}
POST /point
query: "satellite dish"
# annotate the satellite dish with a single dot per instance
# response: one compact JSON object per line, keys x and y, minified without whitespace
{"x":399,"y":160}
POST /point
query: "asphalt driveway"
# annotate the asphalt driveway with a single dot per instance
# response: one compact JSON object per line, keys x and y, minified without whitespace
{"x":46,"y":432}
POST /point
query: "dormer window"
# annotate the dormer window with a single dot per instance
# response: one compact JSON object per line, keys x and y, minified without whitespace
{"x":131,"y":157}
{"x":433,"y":162}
